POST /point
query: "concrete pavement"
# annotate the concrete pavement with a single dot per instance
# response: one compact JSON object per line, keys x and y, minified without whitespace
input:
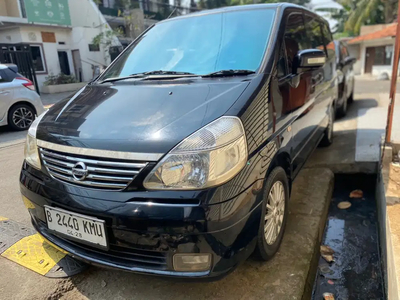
{"x":358,"y":135}
{"x":8,"y":137}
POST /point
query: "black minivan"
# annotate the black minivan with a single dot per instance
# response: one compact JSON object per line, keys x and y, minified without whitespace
{"x":179,"y":159}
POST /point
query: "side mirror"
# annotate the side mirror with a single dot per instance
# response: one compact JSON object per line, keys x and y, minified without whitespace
{"x":350,"y":60}
{"x":309,"y":59}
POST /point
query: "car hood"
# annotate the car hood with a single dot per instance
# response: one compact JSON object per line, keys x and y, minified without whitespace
{"x":141,"y":116}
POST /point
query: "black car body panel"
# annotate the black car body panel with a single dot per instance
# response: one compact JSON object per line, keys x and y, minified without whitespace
{"x":145,"y":110}
{"x":345,"y":65}
{"x":284,"y":116}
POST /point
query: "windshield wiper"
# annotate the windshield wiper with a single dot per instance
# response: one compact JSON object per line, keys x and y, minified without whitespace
{"x":222,"y":73}
{"x":161,"y":72}
{"x":144,"y":74}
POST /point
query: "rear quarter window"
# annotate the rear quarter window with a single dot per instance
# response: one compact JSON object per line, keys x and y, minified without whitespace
{"x":7,"y":75}
{"x":2,"y":76}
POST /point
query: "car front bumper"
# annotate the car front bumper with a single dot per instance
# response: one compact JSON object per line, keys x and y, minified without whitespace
{"x":144,"y":238}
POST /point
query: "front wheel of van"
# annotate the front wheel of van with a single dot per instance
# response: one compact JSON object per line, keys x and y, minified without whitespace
{"x":274,"y":214}
{"x":328,"y":135}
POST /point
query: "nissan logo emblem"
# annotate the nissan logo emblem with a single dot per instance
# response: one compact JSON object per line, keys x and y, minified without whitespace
{"x":80,"y":171}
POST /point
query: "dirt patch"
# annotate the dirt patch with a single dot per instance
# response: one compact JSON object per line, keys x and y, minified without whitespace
{"x":393,"y":186}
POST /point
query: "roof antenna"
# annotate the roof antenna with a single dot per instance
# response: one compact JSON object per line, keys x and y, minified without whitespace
{"x":172,"y":12}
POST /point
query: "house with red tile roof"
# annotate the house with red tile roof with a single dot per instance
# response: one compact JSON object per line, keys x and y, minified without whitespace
{"x":374,"y":49}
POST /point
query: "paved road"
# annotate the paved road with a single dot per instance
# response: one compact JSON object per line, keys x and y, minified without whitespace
{"x":17,"y":282}
{"x":374,"y":86}
{"x":8,"y":137}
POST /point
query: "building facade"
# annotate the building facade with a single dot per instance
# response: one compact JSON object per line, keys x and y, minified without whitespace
{"x":374,"y":49}
{"x":60,"y":35}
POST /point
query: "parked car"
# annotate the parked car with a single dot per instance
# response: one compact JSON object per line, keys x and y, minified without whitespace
{"x":179,"y":159}
{"x":345,"y":65}
{"x":19,"y":102}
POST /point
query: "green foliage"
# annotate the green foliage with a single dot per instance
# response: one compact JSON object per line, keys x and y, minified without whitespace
{"x":59,"y":79}
{"x":220,"y":3}
{"x":365,"y":12}
{"x":105,"y":38}
{"x":340,"y":35}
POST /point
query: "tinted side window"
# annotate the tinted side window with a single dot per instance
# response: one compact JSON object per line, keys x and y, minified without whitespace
{"x":328,"y":40}
{"x":3,"y":76}
{"x":281,"y":66}
{"x":313,"y":36}
{"x":9,"y":74}
{"x":294,"y":37}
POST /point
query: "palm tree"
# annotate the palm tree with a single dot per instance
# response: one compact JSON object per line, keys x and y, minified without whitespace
{"x":363,"y":12}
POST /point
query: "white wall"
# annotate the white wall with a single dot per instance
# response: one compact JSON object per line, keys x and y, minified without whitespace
{"x":378,"y":70}
{"x":364,"y":45}
{"x":10,"y":36}
{"x":33,"y":36}
{"x":80,"y":39}
{"x":87,"y":22}
{"x":83,"y":14}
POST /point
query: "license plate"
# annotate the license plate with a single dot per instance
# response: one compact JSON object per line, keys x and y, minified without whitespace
{"x":77,"y":226}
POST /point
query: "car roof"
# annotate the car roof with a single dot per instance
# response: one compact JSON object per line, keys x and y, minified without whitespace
{"x":9,"y":66}
{"x":275,"y":6}
{"x":235,"y":8}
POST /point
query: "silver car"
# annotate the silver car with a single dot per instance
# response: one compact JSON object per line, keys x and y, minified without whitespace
{"x":19,"y":102}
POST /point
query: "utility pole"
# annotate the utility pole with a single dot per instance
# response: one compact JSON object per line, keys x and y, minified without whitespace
{"x":395,"y":72}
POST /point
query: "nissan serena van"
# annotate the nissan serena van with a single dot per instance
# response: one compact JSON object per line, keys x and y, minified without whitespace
{"x":178,"y":160}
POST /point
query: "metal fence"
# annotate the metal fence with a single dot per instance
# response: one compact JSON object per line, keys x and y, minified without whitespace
{"x":20,"y":55}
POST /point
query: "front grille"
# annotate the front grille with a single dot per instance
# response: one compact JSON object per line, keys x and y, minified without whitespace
{"x":94,"y":172}
{"x":132,"y":256}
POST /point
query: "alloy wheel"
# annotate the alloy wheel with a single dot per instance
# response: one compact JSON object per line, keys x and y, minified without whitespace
{"x":275,"y":213}
{"x":22,"y":117}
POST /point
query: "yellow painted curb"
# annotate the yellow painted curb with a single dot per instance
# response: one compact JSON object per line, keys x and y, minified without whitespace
{"x":3,"y":219}
{"x":34,"y":253}
{"x":28,"y":203}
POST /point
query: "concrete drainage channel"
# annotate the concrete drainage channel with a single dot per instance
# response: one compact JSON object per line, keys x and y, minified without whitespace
{"x":354,"y":269}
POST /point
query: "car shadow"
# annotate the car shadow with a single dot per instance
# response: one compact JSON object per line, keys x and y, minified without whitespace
{"x":357,"y":106}
{"x":10,"y":137}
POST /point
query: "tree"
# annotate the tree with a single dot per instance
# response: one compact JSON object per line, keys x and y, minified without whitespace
{"x":220,"y":3}
{"x":368,"y":12}
{"x":209,"y":4}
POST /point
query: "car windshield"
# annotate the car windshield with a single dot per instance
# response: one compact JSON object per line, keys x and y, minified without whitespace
{"x":200,"y":44}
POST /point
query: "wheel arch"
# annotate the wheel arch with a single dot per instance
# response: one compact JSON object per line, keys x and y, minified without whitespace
{"x":282,"y":159}
{"x":19,"y":103}
{"x":7,"y":117}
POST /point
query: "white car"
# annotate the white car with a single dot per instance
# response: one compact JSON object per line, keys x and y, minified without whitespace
{"x":19,"y":102}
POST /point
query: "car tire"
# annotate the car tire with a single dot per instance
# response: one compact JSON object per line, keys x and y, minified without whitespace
{"x":328,"y":134}
{"x":271,"y":230}
{"x":342,"y":110}
{"x":20,"y":117}
{"x":351,"y":98}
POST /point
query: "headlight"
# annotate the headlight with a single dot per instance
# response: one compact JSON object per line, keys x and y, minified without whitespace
{"x":31,"y":150}
{"x":209,"y":157}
